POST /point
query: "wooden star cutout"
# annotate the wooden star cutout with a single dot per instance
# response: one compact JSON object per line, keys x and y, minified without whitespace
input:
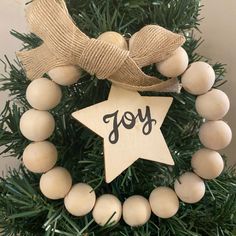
{"x":130,"y":126}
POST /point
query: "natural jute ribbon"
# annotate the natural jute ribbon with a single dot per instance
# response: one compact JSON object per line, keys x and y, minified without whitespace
{"x":64,"y":44}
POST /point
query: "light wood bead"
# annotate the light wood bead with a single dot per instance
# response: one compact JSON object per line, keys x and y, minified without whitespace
{"x":189,"y":188}
{"x":215,"y":135}
{"x":174,"y":65}
{"x":207,"y":164}
{"x":164,"y":202}
{"x":213,"y":105}
{"x":80,"y":200}
{"x":114,"y":38}
{"x":136,"y":211}
{"x":40,"y":157}
{"x":108,"y":209}
{"x":65,"y":75}
{"x":37,"y":125}
{"x":56,"y":183}
{"x":198,"y":78}
{"x":43,"y":94}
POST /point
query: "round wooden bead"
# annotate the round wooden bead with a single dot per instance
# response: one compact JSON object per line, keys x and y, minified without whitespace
{"x":190,"y":188}
{"x":80,"y":200}
{"x":175,"y":65}
{"x":37,"y":125}
{"x":164,"y":202}
{"x":107,"y":210}
{"x":136,"y":211}
{"x":207,"y":163}
{"x":56,"y":183}
{"x":213,"y":105}
{"x":114,"y":38}
{"x":65,"y":75}
{"x":215,"y":135}
{"x":40,"y":157}
{"x":198,"y":78}
{"x":43,"y":94}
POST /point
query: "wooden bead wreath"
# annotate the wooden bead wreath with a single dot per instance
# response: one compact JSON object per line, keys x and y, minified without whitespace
{"x":40,"y":156}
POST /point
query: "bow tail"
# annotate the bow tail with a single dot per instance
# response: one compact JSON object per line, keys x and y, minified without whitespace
{"x":63,"y":6}
{"x":136,"y":79}
{"x":168,"y":86}
{"x":49,"y":19}
{"x":153,"y":44}
{"x":39,"y":61}
{"x":63,"y":41}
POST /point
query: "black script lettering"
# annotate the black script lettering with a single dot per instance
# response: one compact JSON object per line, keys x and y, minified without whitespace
{"x":128,"y":121}
{"x":114,"y":135}
{"x":147,"y":128}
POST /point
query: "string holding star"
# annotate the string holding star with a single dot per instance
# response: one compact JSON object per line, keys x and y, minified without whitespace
{"x":130,"y":126}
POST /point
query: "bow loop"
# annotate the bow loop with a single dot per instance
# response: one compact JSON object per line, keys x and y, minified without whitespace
{"x":50,"y":21}
{"x":153,"y":44}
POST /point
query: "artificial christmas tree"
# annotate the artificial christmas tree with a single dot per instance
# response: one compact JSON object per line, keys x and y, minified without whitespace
{"x":82,"y":195}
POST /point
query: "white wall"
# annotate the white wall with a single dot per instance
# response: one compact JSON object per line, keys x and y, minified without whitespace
{"x":218,"y":30}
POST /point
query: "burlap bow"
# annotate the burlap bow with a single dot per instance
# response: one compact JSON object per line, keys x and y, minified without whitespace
{"x":65,"y":44}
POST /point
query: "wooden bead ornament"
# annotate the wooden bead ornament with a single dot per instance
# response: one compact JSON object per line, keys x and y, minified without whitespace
{"x":175,"y":65}
{"x":198,"y":78}
{"x":65,"y":75}
{"x":43,"y":94}
{"x":40,"y":157}
{"x":207,"y":164}
{"x":213,"y":105}
{"x":107,"y":210}
{"x":114,"y":38}
{"x":56,"y":183}
{"x":164,"y":202}
{"x":80,"y":200}
{"x":215,"y":135}
{"x":37,"y":125}
{"x":189,"y":188}
{"x":136,"y":211}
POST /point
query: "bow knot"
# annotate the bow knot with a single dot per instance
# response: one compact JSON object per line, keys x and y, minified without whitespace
{"x":102,"y":59}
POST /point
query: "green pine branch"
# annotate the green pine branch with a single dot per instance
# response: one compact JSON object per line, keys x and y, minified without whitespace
{"x":25,"y":211}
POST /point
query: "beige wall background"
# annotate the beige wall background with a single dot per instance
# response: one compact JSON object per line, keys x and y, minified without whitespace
{"x":218,"y":30}
{"x":11,"y":17}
